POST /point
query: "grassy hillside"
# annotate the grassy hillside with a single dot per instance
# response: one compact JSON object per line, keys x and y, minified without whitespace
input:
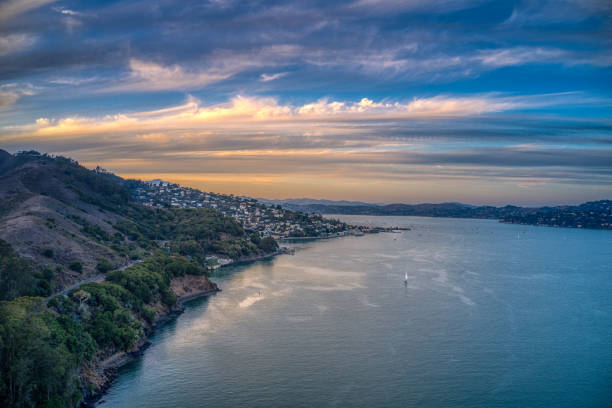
{"x":70,"y":223}
{"x":60,"y":224}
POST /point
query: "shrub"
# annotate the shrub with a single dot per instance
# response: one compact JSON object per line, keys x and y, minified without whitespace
{"x":48,"y":253}
{"x":148,"y":313}
{"x":268,"y":244}
{"x":76,"y":266}
{"x":104,"y":266}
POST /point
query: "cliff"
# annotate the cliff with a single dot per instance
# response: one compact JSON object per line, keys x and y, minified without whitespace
{"x":97,"y":375}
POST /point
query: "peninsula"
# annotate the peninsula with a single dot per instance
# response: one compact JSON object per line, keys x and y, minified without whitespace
{"x":88,"y":268}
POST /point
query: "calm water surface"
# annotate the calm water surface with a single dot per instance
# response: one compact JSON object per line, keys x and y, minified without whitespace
{"x":493,"y":315}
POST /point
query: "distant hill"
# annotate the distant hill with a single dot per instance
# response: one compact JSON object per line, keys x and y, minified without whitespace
{"x":596,"y":214}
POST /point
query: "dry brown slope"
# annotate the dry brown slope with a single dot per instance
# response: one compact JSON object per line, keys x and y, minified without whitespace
{"x":37,"y":210}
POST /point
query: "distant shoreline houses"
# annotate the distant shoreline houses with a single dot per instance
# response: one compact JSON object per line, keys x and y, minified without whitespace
{"x":254,"y":216}
{"x":158,"y":183}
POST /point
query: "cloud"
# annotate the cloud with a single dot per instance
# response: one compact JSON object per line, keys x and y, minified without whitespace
{"x":74,"y":81}
{"x":149,"y":76}
{"x":263,"y":147}
{"x":250,"y":126}
{"x":515,"y":56}
{"x":15,"y":42}
{"x":11,"y":92}
{"x":152,"y":76}
{"x":7,"y":98}
{"x":538,"y":12}
{"x":432,"y":6}
{"x":519,"y":56}
{"x":70,"y":20}
{"x":67,"y":12}
{"x":353,"y":52}
{"x":271,"y":77}
{"x":12,"y":8}
{"x":268,"y":113}
{"x":407,"y":63}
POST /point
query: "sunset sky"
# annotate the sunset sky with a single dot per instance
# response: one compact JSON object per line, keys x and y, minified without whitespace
{"x":497,"y":102}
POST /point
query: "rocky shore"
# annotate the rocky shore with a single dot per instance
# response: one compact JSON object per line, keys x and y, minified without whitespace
{"x":247,"y":259}
{"x":101,"y":372}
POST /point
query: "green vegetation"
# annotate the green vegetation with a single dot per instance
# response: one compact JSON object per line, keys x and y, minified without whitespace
{"x":41,"y":349}
{"x":19,"y":278}
{"x":76,"y":266}
{"x":179,"y":225}
{"x":268,"y":244}
{"x":193,"y":232}
{"x":104,"y":266}
{"x":40,"y":354}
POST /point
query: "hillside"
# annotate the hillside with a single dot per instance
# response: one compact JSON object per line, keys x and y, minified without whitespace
{"x":48,"y":209}
{"x":60,"y":225}
{"x":72,"y":223}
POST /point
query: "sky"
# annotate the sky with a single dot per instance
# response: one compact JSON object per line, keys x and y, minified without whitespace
{"x":483,"y":102}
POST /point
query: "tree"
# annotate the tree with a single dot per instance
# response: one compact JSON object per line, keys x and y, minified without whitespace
{"x":104,"y":266}
{"x":76,"y":266}
{"x":37,"y":366}
{"x":268,"y":244}
{"x":16,"y":275}
{"x":81,"y":296}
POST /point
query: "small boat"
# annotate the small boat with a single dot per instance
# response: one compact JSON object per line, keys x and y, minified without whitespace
{"x":405,"y":277}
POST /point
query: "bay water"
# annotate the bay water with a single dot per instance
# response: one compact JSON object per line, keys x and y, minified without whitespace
{"x":492,"y":315}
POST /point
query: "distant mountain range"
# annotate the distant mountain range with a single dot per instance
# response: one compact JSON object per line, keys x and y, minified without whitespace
{"x":595,"y":214}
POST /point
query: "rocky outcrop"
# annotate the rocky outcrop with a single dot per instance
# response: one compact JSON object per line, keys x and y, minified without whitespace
{"x":191,"y":286}
{"x":100,"y":373}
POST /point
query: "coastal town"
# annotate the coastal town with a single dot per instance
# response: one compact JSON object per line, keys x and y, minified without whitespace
{"x":272,"y":221}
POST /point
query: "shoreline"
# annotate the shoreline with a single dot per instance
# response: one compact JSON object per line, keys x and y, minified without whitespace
{"x":109,"y":367}
{"x":280,"y":251}
{"x":371,"y":230}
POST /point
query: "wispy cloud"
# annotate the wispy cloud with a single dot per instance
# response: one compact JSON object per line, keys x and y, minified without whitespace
{"x":146,"y":75}
{"x":268,"y":112}
{"x":12,"y":8}
{"x":249,"y":121}
{"x":407,"y":63}
{"x":67,"y":12}
{"x":515,"y":56}
{"x":519,"y":56}
{"x":260,"y":146}
{"x":434,"y":6}
{"x":15,"y":42}
{"x":534,"y":12}
{"x":329,"y":88}
{"x":11,"y":92}
{"x":74,"y":81}
{"x":150,"y":76}
{"x":271,"y":77}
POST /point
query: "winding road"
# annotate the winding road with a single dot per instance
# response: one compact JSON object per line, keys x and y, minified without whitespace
{"x":96,"y":278}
